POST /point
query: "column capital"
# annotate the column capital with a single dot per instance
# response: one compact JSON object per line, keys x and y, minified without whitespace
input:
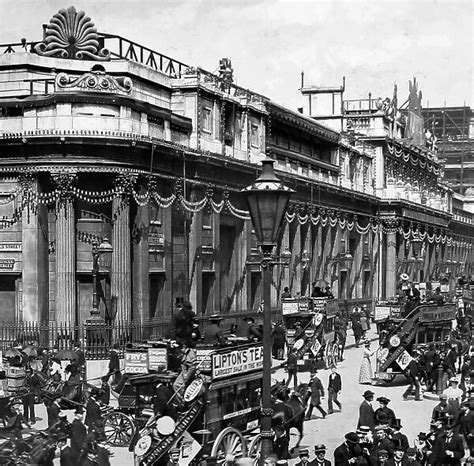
{"x":64,"y":183}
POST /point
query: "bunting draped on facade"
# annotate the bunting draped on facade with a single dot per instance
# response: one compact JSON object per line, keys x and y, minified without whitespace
{"x":407,"y":156}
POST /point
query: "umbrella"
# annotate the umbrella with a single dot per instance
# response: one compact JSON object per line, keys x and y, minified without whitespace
{"x":12,"y":352}
{"x":31,"y":351}
{"x":67,"y":354}
{"x":321,"y":283}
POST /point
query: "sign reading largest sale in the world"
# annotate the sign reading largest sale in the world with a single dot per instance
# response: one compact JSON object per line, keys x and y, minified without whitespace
{"x":238,"y":361}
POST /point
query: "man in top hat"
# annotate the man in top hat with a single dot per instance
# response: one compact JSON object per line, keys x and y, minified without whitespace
{"x":366,"y":411}
{"x":281,"y":443}
{"x":398,"y":454}
{"x":346,"y":454}
{"x":320,"y":460}
{"x":304,"y":457}
{"x":398,"y":436}
{"x":66,"y":456}
{"x":448,"y":447}
{"x":383,"y":414}
{"x":212,"y":332}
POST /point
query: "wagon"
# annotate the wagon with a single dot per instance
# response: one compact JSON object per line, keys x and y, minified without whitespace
{"x":218,"y":413}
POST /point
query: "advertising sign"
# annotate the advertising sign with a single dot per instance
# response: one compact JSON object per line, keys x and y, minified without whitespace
{"x":157,"y":359}
{"x":439,"y":313}
{"x":289,"y":307}
{"x":203,"y":358}
{"x":403,"y":360}
{"x":381,"y":313}
{"x":237,"y":362}
{"x":136,"y":362}
{"x":188,"y":449}
{"x":319,"y":304}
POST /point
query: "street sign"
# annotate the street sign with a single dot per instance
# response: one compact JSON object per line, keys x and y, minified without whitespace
{"x":403,"y":360}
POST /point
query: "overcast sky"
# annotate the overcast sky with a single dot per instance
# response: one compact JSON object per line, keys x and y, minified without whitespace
{"x":374,"y":43}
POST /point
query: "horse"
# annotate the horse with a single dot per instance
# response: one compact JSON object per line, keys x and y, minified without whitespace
{"x":71,"y":395}
{"x":290,"y":413}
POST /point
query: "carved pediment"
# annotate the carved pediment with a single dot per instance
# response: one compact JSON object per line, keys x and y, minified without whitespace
{"x":94,"y":81}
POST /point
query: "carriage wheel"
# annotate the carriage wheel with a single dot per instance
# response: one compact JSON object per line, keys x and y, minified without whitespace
{"x":255,"y":448}
{"x":229,"y":445}
{"x":118,"y":429}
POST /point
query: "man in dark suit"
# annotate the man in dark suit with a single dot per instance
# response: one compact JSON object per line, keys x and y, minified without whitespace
{"x":334,"y":387}
{"x":53,"y":410}
{"x":213,"y":332}
{"x":346,"y":453}
{"x":320,"y":460}
{"x":448,"y":447}
{"x":304,"y":458}
{"x":398,"y":437}
{"x":93,"y":413}
{"x":78,"y":433}
{"x":412,"y":373}
{"x":366,"y":411}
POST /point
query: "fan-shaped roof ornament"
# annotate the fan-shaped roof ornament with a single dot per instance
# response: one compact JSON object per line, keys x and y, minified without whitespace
{"x":71,"y":34}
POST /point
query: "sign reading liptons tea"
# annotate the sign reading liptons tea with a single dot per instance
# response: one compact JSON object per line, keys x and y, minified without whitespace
{"x":237,"y":361}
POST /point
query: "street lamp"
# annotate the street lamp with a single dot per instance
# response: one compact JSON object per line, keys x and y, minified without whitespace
{"x":101,"y":260}
{"x":267,"y":200}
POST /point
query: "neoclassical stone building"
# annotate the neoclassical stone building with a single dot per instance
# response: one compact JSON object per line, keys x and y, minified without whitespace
{"x":103,"y":138}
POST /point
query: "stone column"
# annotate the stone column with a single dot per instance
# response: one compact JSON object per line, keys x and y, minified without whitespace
{"x":65,"y":249}
{"x":120,"y":274}
{"x":141,"y":278}
{"x":65,"y":262}
{"x":34,"y":256}
{"x":391,"y":267}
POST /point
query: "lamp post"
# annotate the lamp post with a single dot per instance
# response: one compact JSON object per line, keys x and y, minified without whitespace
{"x":267,"y":199}
{"x":101,"y":258}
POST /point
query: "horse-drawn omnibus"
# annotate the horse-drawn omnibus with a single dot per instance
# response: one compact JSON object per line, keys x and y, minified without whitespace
{"x":217,"y":411}
{"x":309,"y":324}
{"x":426,"y":324}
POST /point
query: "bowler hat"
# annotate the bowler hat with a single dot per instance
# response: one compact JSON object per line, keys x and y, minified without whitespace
{"x":215,"y":317}
{"x":320,"y":448}
{"x":304,"y":452}
{"x":352,"y":437}
{"x":368,"y":394}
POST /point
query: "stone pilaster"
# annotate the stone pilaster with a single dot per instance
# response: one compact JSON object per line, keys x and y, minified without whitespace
{"x":121,"y":263}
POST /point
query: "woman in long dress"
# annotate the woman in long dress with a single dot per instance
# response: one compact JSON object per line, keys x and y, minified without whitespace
{"x":365,"y":373}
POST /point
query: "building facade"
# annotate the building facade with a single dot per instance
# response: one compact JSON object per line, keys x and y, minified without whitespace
{"x":103,"y":138}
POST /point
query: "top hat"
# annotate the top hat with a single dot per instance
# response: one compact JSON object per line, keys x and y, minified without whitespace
{"x":397,"y":424}
{"x":397,"y":444}
{"x":352,"y":437}
{"x":320,"y":448}
{"x":405,"y":276}
{"x":368,"y":394}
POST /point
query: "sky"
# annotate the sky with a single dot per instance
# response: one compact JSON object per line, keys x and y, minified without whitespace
{"x":373,"y":43}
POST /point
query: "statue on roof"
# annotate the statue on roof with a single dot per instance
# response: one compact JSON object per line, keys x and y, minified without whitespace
{"x":71,"y":34}
{"x":414,"y":131}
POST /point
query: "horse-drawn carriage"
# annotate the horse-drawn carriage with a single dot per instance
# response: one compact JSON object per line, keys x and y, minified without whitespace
{"x":309,"y":324}
{"x":426,"y":324}
{"x":217,"y":411}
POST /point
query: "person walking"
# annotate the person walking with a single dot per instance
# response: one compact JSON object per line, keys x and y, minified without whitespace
{"x":366,"y":411}
{"x":334,"y":387}
{"x":364,"y":324}
{"x":114,"y":365}
{"x":365,"y":373}
{"x":292,"y":368}
{"x":357,"y":331}
{"x":317,"y":394}
{"x":412,"y":373}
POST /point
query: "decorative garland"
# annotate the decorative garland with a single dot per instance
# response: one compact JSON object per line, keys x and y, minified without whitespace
{"x":415,"y":161}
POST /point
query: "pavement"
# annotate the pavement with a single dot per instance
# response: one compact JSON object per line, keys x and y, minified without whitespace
{"x":414,"y":415}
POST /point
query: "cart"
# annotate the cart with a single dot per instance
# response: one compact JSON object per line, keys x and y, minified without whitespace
{"x":218,"y":414}
{"x":310,"y":331}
